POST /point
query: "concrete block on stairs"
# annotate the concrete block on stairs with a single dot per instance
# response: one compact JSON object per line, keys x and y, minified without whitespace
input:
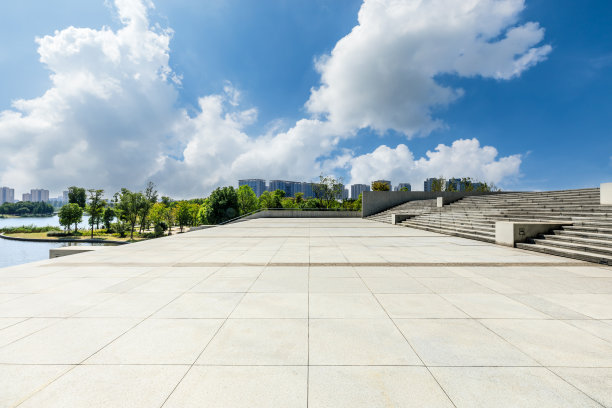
{"x":605,"y":194}
{"x":509,"y":233}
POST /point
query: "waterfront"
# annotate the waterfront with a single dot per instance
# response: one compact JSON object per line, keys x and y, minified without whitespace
{"x":19,"y":252}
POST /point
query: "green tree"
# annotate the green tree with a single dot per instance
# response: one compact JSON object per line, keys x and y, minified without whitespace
{"x":288,"y":202}
{"x":327,"y":190}
{"x":247,"y":200}
{"x":183,"y":214}
{"x":107,"y":218}
{"x":77,"y":195}
{"x":299,"y":197}
{"x":70,"y":214}
{"x":404,"y":189}
{"x":150,"y":196}
{"x":222,"y":205}
{"x":130,"y":204}
{"x":158,"y":213}
{"x":438,"y":184}
{"x":380,"y":186}
{"x":95,"y":207}
{"x":166,"y":201}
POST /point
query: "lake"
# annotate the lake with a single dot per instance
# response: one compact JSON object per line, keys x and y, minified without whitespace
{"x":18,"y":252}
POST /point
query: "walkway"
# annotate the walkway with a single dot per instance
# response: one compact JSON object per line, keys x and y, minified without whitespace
{"x":306,"y":312}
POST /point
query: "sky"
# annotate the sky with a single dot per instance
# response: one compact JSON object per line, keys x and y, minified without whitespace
{"x":196,"y":94}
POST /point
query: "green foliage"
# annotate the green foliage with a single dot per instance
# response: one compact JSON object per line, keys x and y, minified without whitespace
{"x":95,"y":208}
{"x":27,"y":208}
{"x":380,"y":186}
{"x":107,"y":217}
{"x":299,"y":197}
{"x":222,"y":205}
{"x":404,"y":189}
{"x":76,"y":195}
{"x":270,"y":200}
{"x":202,"y":220}
{"x":438,"y":184}
{"x":70,"y":214}
{"x":183,"y":214}
{"x":150,"y":198}
{"x":288,"y":202}
{"x":166,"y":201}
{"x":247,"y":200}
{"x":130,"y":206}
{"x":327,"y":190}
{"x":24,"y":229}
{"x":60,"y":234}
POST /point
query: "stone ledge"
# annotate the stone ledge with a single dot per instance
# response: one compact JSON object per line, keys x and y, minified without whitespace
{"x":71,"y":250}
{"x":510,"y":233}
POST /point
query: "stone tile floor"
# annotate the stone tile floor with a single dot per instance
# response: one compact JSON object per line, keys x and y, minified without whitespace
{"x":306,"y":312}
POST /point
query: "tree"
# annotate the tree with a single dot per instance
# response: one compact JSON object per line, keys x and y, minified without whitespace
{"x":438,"y":184}
{"x":107,"y":218}
{"x":247,"y":200}
{"x":77,"y":195}
{"x":299,"y":197}
{"x":70,"y":214}
{"x":95,"y":207}
{"x":327,"y":190}
{"x":130,"y":204}
{"x":158,"y":213}
{"x":380,"y":186}
{"x":150,"y":196}
{"x":166,"y":201}
{"x":404,"y":189}
{"x":222,"y":205}
{"x":183,"y":214}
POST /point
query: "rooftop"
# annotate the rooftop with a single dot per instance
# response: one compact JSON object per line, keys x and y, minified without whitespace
{"x":306,"y":312}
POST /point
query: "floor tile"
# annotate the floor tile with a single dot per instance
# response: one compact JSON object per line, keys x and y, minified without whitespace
{"x":345,"y":305}
{"x":272,"y":305}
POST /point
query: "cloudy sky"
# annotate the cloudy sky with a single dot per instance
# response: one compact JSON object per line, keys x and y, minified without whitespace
{"x":195,"y":94}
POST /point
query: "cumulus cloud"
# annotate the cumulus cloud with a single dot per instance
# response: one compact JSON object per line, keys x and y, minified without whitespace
{"x":464,"y":157}
{"x":383,"y":73}
{"x":111,"y":117}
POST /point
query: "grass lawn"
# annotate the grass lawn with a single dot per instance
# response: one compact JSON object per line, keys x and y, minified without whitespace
{"x":43,"y":235}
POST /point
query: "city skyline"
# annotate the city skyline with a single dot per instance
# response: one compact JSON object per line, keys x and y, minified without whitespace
{"x":112,"y":94}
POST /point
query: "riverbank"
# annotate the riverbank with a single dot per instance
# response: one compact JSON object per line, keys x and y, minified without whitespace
{"x":42,"y":237}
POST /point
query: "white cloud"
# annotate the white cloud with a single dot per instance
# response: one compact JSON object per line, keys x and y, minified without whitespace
{"x":465,"y":157}
{"x":110,"y":118}
{"x":383,"y":73}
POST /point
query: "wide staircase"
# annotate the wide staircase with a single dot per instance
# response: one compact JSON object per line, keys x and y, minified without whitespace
{"x":588,"y":236}
{"x":413,"y":208}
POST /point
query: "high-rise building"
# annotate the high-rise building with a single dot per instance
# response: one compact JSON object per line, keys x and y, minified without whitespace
{"x":257,"y":185}
{"x":402,"y":185}
{"x":38,"y":194}
{"x":26,"y":197}
{"x":307,"y":189}
{"x":65,"y":197}
{"x":357,"y":189}
{"x":387,"y":182}
{"x":427,"y":184}
{"x":7,"y":195}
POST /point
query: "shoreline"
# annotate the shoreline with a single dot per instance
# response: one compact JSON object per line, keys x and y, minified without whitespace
{"x":87,"y":240}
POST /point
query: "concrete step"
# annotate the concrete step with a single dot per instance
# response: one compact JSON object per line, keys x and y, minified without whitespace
{"x":583,"y":234}
{"x":578,"y":240}
{"x":606,"y":250}
{"x":476,"y":237}
{"x":568,"y":253}
{"x":452,"y":228}
{"x":589,"y":228}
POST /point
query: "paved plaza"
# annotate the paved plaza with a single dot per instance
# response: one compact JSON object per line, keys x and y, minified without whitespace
{"x":306,"y":312}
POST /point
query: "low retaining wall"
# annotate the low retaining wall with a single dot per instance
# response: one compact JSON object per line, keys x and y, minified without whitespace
{"x":373,"y":202}
{"x":509,"y":233}
{"x":301,"y":214}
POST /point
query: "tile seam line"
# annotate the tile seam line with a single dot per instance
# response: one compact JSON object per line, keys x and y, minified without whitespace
{"x":407,"y":342}
{"x":104,"y":346}
{"x":216,"y":332}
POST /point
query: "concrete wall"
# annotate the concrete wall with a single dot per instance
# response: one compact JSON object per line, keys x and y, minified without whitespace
{"x":376,"y":201}
{"x":605,"y":194}
{"x":301,"y":214}
{"x":509,"y":233}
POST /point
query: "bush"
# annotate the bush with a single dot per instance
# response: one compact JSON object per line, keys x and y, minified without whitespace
{"x":60,"y":234}
{"x":24,"y":229}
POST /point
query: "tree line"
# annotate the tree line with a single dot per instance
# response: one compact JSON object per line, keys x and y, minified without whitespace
{"x":143,"y":213}
{"x":25,"y":208}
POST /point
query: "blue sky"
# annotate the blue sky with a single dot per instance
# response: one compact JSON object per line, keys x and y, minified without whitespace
{"x":548,"y":122}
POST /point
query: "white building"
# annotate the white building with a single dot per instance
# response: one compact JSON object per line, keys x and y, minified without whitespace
{"x":7,"y":195}
{"x":38,"y":194}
